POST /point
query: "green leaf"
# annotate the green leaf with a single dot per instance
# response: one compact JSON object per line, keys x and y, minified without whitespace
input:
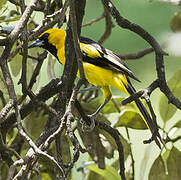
{"x":45,"y":176}
{"x":110,"y":145}
{"x":168,"y":110}
{"x":110,"y":107}
{"x":130,"y":118}
{"x":178,"y":124}
{"x":65,"y":148}
{"x":92,"y":176}
{"x":165,"y":156}
{"x":145,"y":162}
{"x":35,"y":122}
{"x":4,"y":169}
{"x":12,"y":19}
{"x":31,"y":24}
{"x":2,"y":3}
{"x":2,"y":18}
{"x":158,"y":170}
{"x":29,"y":69}
{"x":11,"y":136}
{"x":94,"y":104}
{"x":175,"y":23}
{"x":109,"y":173}
{"x":16,"y":64}
{"x":108,"y":142}
{"x":50,"y":67}
{"x":174,"y":164}
{"x":93,"y":140}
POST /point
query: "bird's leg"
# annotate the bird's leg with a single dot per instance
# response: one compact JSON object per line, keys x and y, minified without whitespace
{"x":89,"y":89}
{"x":100,"y":108}
{"x":92,"y":116}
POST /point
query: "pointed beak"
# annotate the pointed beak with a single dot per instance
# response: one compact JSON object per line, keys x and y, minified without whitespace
{"x":37,"y":43}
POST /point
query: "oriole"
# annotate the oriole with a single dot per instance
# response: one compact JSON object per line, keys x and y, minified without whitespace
{"x":102,"y":68}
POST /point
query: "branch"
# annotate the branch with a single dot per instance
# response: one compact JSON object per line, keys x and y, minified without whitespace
{"x":76,"y":42}
{"x":74,"y":141}
{"x":137,"y":55}
{"x":94,"y":20}
{"x":44,"y":94}
{"x":23,"y":20}
{"x":58,"y":17}
{"x":173,"y":140}
{"x":124,"y":23}
{"x":142,"y":93}
{"x":40,"y":7}
{"x":6,"y":109}
{"x":128,"y":135}
{"x":108,"y":27}
{"x":113,"y":132}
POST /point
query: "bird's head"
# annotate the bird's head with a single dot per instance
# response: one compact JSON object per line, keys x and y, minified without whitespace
{"x":51,"y":40}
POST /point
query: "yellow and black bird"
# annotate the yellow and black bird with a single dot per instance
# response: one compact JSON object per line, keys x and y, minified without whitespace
{"x":102,"y":69}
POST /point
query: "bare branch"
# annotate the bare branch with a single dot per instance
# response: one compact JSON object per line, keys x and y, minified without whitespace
{"x":124,"y":23}
{"x":136,"y":55}
{"x":6,"y":109}
{"x":108,"y":27}
{"x":94,"y":20}
{"x":23,"y":20}
{"x":76,"y":39}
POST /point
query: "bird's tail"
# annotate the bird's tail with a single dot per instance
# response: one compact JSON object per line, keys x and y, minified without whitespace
{"x":152,"y":125}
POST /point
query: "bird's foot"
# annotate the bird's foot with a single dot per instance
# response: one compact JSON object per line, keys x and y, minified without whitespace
{"x":88,"y":89}
{"x":85,"y":127}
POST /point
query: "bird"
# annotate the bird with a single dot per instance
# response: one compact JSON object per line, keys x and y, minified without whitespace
{"x":102,"y":68}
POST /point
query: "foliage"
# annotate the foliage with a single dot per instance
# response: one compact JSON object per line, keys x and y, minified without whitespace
{"x":101,"y":160}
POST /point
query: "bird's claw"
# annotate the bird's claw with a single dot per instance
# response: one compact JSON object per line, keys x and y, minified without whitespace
{"x":87,"y":128}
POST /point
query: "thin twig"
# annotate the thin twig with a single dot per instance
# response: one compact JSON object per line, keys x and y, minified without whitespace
{"x":141,"y":93}
{"x":108,"y":28}
{"x":74,"y":141}
{"x":127,"y":132}
{"x":94,"y":20}
{"x":23,"y":20}
{"x":136,"y":55}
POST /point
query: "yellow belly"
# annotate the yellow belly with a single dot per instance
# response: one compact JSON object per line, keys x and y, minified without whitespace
{"x":97,"y":76}
{"x":102,"y":77}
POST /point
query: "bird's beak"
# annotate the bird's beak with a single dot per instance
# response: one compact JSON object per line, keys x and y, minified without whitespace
{"x":37,"y":43}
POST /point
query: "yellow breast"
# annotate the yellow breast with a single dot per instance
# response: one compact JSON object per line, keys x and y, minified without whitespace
{"x":97,"y":76}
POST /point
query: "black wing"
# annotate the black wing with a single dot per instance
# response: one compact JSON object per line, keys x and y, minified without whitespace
{"x":95,"y":54}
